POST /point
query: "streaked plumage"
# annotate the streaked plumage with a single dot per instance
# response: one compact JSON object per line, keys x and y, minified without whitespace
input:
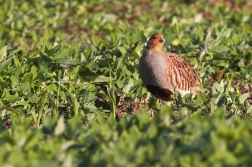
{"x":163,"y":72}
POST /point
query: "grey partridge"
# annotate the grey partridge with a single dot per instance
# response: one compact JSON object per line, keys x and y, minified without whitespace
{"x":163,"y":72}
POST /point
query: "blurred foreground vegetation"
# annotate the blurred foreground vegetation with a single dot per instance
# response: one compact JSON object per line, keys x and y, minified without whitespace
{"x":71,"y":93}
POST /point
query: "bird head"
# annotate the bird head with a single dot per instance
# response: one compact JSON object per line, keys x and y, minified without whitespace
{"x":156,"y":42}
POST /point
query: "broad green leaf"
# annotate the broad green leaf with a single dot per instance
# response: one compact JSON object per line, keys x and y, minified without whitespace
{"x":110,"y":17}
{"x":202,"y":98}
{"x":61,"y":72}
{"x":221,"y":100}
{"x":9,"y":97}
{"x":69,"y":62}
{"x":48,"y":33}
{"x":33,"y":99}
{"x":16,"y":61}
{"x":134,"y":87}
{"x":3,"y":52}
{"x":101,"y":79}
{"x":119,"y":83}
{"x":122,"y":49}
{"x":49,"y":125}
{"x":200,"y":33}
{"x":249,"y":110}
{"x":128,"y":83}
{"x":33,"y":140}
{"x":60,"y":127}
{"x":4,"y":64}
{"x":219,"y":48}
{"x":3,"y":85}
{"x":218,"y":88}
{"x":220,"y":111}
{"x":26,"y":87}
{"x":170,"y":37}
{"x":23,"y":103}
{"x":243,"y":97}
{"x":34,"y":72}
{"x":51,"y":88}
{"x":118,"y":64}
{"x":2,"y":42}
{"x":95,"y":40}
{"x":14,"y":81}
{"x":198,"y":18}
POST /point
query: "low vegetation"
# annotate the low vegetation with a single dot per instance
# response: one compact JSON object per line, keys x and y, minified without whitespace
{"x":71,"y":93}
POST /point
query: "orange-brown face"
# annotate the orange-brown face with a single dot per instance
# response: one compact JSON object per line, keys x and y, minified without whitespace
{"x":156,"y":42}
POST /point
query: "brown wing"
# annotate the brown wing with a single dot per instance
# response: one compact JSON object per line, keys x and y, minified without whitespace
{"x":181,"y":75}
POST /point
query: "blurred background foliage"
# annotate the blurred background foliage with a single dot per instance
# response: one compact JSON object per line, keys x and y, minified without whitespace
{"x":67,"y":68}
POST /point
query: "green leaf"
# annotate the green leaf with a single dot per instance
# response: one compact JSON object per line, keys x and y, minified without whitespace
{"x":122,"y":49}
{"x":33,"y":140}
{"x":3,"y":52}
{"x":222,"y":100}
{"x":9,"y":97}
{"x":26,"y":87}
{"x":220,"y":112}
{"x":128,"y":83}
{"x":118,"y":64}
{"x":69,"y":62}
{"x":101,"y":79}
{"x":23,"y":103}
{"x":14,"y":81}
{"x":219,"y":48}
{"x":48,"y":33}
{"x":33,"y":99}
{"x":51,"y":88}
{"x":5,"y":63}
{"x":75,"y":103}
{"x":201,"y":97}
{"x":218,"y":88}
{"x":200,"y":33}
{"x":60,"y":127}
{"x":249,"y":110}
{"x":112,"y":98}
{"x":198,"y":18}
{"x":40,"y":109}
{"x":16,"y":61}
{"x":243,"y":97}
{"x":95,"y":40}
{"x":134,"y":87}
{"x":34,"y":72}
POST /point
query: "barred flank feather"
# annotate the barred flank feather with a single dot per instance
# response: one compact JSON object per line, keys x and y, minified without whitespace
{"x":181,"y":75}
{"x":163,"y":72}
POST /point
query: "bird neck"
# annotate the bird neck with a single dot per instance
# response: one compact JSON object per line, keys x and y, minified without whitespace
{"x":153,"y":48}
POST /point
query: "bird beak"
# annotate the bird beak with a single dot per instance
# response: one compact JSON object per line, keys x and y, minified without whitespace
{"x":161,"y":39}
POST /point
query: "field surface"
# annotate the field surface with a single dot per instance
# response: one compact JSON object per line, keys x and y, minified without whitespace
{"x":71,"y":93}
